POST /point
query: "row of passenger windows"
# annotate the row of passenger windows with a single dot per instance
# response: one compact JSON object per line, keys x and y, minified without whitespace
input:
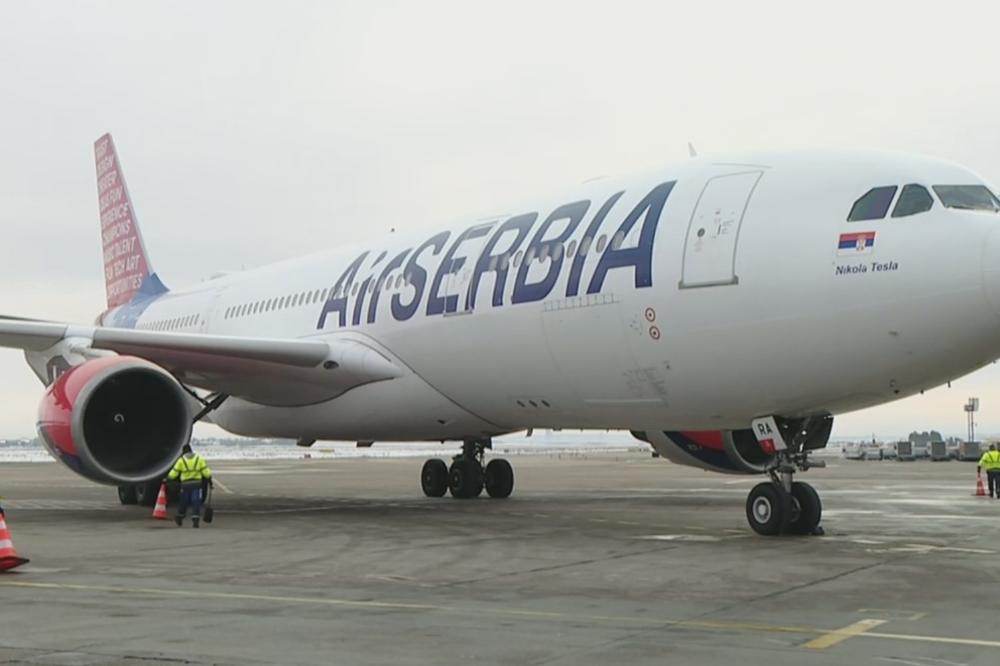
{"x":171,"y":324}
{"x":502,"y":262}
{"x":914,"y":199}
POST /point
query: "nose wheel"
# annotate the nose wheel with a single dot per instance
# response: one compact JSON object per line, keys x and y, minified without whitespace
{"x":468,"y":475}
{"x":771,"y":510}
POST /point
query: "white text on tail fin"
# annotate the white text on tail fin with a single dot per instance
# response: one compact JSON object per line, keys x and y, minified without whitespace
{"x":126,"y":264}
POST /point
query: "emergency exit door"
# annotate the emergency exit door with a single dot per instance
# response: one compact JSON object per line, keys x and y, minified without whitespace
{"x":714,"y":230}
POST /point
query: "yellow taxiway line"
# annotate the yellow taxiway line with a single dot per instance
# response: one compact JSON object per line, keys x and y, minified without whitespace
{"x":841,"y":635}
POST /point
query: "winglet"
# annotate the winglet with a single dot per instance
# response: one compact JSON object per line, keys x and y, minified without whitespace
{"x":127,"y":268}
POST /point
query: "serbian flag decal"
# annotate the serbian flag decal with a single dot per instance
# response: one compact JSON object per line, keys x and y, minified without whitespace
{"x":862,"y":242}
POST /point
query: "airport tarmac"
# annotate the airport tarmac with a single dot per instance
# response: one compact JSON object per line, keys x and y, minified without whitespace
{"x":596,"y":559}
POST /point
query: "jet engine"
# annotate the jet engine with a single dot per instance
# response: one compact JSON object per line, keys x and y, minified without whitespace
{"x":734,"y":451}
{"x":115,"y":420}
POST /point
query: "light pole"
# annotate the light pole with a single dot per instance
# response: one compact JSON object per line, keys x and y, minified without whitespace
{"x":971,"y":408}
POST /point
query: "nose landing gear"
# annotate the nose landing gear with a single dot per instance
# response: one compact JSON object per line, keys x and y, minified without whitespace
{"x":784,"y":506}
{"x":468,"y":475}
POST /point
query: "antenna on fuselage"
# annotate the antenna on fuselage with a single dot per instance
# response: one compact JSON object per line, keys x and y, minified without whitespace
{"x":691,"y":151}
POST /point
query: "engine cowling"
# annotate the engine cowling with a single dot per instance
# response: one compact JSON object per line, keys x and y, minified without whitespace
{"x":731,"y":451}
{"x":736,"y":451}
{"x":115,"y":420}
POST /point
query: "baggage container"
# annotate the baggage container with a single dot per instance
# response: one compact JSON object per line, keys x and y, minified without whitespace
{"x":970,"y":451}
{"x":939,"y":451}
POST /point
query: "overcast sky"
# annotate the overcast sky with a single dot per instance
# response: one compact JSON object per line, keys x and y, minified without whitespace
{"x":252,"y":132}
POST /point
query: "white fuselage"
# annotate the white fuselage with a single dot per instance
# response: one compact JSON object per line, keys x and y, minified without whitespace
{"x":735,"y":301}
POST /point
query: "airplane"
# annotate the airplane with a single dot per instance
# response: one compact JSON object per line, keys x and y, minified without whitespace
{"x":722,"y":310}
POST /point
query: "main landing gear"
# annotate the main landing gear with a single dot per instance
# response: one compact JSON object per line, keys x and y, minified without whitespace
{"x":143,"y":494}
{"x":468,"y":475}
{"x":784,"y":506}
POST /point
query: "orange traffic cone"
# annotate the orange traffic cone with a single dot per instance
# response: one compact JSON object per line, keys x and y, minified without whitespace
{"x":980,"y":488}
{"x":160,"y":511}
{"x":8,"y":556}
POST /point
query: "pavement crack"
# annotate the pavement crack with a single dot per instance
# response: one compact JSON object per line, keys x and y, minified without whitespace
{"x":794,"y":588}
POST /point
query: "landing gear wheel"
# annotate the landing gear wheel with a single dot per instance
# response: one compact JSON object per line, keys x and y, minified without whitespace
{"x":499,"y":478}
{"x":126,"y":495}
{"x":805,"y":520}
{"x":145,"y":493}
{"x":434,"y":478}
{"x":767,"y":508}
{"x":465,"y":478}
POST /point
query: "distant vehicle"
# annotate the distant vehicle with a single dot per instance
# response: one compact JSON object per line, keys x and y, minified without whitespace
{"x":865,"y":451}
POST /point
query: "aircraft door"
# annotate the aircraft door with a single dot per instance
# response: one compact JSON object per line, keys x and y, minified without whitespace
{"x":212,"y":313}
{"x":714,"y":230}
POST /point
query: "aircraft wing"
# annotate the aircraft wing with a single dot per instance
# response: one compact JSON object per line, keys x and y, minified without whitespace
{"x":264,"y":370}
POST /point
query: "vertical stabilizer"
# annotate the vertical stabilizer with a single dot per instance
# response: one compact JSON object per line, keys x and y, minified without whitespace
{"x":127,"y":269}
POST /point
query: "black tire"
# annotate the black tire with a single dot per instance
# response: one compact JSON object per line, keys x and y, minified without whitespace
{"x":127,"y":495}
{"x":809,"y":509}
{"x":146,"y":493}
{"x":434,"y":478}
{"x":465,"y":479}
{"x":499,"y":479}
{"x":767,"y":507}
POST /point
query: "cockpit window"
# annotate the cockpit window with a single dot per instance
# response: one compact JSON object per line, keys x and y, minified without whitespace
{"x":912,"y":200}
{"x":967,"y":197}
{"x":873,"y":205}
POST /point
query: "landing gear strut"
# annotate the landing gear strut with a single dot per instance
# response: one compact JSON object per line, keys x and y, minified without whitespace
{"x":783,"y":505}
{"x":468,"y":475}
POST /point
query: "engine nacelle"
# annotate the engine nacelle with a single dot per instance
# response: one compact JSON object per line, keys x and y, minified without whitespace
{"x":115,"y":420}
{"x":731,"y":451}
{"x":734,"y":451}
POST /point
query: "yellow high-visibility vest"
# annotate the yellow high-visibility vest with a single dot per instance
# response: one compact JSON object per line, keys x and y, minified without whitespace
{"x":190,"y":469}
{"x":990,"y":461}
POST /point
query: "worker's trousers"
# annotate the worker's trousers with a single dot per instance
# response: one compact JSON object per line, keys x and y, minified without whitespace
{"x":993,"y":480}
{"x":190,"y":496}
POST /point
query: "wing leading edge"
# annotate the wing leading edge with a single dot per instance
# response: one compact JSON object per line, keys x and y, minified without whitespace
{"x":267,"y":371}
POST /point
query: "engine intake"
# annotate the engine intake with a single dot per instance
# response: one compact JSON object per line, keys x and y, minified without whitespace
{"x":115,"y":420}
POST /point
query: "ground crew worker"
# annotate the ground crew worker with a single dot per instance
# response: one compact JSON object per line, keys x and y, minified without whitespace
{"x":991,"y":463}
{"x":192,"y":470}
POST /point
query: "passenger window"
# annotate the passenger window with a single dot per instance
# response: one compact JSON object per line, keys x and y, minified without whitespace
{"x":912,"y":200}
{"x":571,"y":250}
{"x":601,"y":242}
{"x":873,"y":205}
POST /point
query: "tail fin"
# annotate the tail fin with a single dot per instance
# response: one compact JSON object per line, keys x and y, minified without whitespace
{"x":127,"y":269}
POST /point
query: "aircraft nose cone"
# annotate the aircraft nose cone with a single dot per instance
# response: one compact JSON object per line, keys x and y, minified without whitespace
{"x":991,"y":271}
